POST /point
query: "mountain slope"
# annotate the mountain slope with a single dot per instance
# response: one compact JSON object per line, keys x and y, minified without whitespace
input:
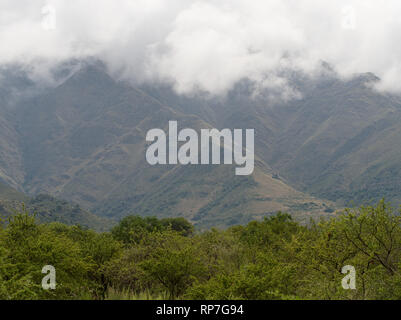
{"x":49,"y":209}
{"x":339,"y":141}
{"x":84,"y":141}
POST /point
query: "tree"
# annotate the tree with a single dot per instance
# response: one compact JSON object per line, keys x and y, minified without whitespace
{"x":173,"y":262}
{"x":29,"y":247}
{"x":132,"y":229}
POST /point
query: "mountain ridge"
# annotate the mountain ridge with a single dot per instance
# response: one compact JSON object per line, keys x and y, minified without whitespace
{"x":84,"y":141}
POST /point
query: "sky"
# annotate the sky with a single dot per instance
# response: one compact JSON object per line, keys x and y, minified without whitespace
{"x":207,"y":45}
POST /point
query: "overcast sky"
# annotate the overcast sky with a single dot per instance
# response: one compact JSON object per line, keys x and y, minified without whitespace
{"x":208,"y":44}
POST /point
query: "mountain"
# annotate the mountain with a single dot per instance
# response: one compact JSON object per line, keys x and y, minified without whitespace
{"x":339,"y":141}
{"x":84,"y":141}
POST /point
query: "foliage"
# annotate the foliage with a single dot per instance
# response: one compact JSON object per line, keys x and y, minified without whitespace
{"x":148,"y":258}
{"x":132,"y":229}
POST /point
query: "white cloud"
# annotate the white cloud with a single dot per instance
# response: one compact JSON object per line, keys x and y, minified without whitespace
{"x":209,"y":44}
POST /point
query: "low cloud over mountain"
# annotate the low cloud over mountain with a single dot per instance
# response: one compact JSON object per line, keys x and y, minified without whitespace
{"x":206,"y":45}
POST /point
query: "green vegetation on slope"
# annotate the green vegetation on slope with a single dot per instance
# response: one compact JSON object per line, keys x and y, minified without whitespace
{"x":49,"y":209}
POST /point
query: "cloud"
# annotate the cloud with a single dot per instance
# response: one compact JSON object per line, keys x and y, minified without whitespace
{"x":207,"y":45}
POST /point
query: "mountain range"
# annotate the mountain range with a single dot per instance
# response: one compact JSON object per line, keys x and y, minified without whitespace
{"x":83,"y":140}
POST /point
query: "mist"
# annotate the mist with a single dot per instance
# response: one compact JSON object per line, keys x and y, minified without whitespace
{"x":206,"y":45}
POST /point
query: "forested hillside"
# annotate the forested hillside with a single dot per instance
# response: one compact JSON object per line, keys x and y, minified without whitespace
{"x":49,"y":209}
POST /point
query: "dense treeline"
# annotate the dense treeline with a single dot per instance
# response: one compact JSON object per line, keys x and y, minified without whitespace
{"x":148,"y":258}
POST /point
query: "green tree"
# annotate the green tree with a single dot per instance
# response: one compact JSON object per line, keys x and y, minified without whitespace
{"x":174,"y":262}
